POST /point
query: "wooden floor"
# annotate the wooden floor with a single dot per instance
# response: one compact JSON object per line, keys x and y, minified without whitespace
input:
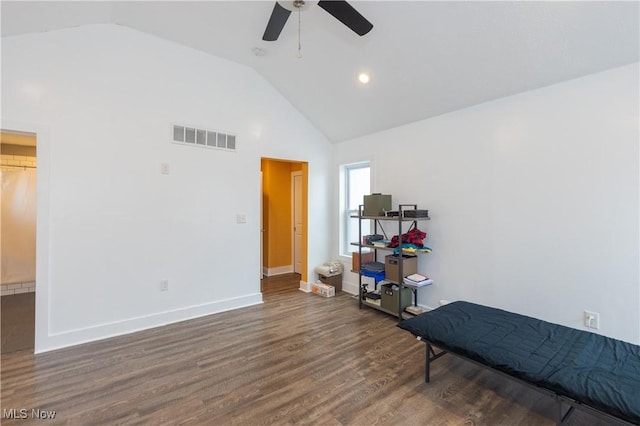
{"x":281,"y":282}
{"x":17,"y":322}
{"x":296,"y":359}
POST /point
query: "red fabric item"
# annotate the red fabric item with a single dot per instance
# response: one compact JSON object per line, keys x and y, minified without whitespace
{"x":414,"y":236}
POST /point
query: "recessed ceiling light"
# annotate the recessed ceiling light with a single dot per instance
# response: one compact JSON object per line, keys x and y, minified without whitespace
{"x":364,"y":78}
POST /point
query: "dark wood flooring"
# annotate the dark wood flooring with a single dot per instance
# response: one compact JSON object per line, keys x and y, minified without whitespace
{"x":17,"y":322}
{"x":297,"y":358}
{"x":281,"y":282}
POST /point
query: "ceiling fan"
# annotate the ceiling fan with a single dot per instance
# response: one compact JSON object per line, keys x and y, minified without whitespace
{"x":339,"y":9}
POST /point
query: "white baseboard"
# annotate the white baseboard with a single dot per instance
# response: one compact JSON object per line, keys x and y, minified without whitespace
{"x":350,"y":288}
{"x":305,"y":286}
{"x":104,"y":331}
{"x":270,"y":272}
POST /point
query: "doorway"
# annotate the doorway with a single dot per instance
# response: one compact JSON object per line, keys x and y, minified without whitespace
{"x":284,"y":223}
{"x":18,"y":240}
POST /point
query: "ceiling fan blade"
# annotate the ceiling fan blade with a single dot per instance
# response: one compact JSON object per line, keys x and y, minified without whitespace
{"x":345,"y":13}
{"x":276,"y":22}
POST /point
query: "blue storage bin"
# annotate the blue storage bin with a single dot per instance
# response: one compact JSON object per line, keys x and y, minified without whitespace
{"x":376,"y":275}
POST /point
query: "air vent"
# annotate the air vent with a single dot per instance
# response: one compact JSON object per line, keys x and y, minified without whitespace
{"x":187,"y":135}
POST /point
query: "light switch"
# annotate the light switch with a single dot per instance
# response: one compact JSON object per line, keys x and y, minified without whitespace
{"x":164,"y":168}
{"x":241,"y":218}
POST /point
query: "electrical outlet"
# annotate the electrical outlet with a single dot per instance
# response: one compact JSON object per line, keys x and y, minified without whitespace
{"x":164,"y":285}
{"x":592,"y":320}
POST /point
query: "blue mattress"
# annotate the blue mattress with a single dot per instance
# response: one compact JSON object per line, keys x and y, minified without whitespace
{"x":595,"y":370}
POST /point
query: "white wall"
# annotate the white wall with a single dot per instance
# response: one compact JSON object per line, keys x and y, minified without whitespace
{"x":110,"y":226}
{"x":533,"y":199}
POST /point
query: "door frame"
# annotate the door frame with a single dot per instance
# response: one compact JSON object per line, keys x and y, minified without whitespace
{"x":43,"y":197}
{"x":294,"y":246}
{"x":304,"y":170}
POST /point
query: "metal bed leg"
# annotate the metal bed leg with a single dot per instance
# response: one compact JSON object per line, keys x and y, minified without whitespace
{"x":427,"y":362}
{"x":562,"y":418}
{"x":430,"y":355}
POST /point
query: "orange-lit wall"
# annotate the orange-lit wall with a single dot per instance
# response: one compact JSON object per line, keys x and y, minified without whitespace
{"x":276,"y":205}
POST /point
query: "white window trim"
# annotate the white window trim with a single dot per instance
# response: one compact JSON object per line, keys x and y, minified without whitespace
{"x":344,"y":246}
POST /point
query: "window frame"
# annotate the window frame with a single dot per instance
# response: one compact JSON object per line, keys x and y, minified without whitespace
{"x":345,"y":212}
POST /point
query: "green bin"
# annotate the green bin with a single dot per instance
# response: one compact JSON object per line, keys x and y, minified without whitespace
{"x":376,"y":204}
{"x":389,"y":298}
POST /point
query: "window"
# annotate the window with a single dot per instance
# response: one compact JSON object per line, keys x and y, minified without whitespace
{"x":356,"y":183}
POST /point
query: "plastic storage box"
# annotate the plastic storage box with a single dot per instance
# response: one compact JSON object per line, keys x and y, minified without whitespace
{"x":373,"y":270}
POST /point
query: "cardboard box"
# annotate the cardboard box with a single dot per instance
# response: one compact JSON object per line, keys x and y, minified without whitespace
{"x":323,"y":289}
{"x":389,"y":299}
{"x":376,"y":204}
{"x":391,"y":267}
{"x":334,"y":280}
{"x":357,"y":260}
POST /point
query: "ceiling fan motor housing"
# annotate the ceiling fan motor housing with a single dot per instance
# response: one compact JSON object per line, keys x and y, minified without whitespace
{"x":339,"y":9}
{"x":297,"y":5}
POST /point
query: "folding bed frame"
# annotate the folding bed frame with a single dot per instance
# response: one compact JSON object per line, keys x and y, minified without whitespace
{"x":578,"y":369}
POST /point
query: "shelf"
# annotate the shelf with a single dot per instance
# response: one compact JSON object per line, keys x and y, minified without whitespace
{"x":371,"y":246}
{"x":395,"y":218}
{"x":399,"y":221}
{"x":405,"y":314}
{"x":405,"y":252}
{"x":380,"y":308}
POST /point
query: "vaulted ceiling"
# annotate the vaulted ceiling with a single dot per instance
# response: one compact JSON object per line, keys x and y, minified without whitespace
{"x":425,"y":58}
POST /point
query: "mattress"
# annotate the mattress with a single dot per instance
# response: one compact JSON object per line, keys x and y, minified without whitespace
{"x":595,"y":370}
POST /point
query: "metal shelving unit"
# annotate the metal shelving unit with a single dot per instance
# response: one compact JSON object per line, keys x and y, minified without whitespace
{"x":400,"y":220}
